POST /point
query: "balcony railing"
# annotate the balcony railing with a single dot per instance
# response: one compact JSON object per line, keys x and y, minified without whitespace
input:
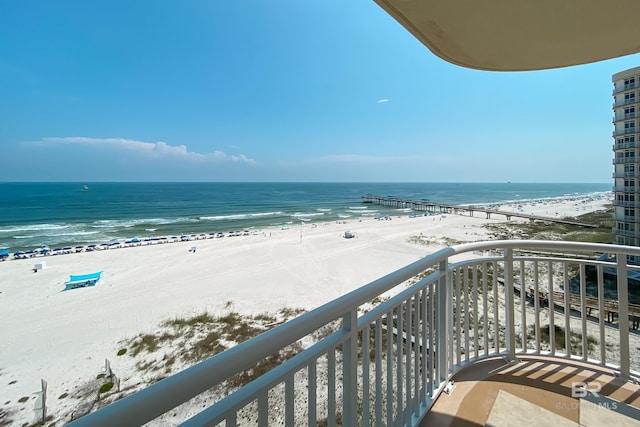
{"x":386,"y":359}
{"x":627,"y":174}
{"x":619,"y":160}
{"x":626,"y":233}
{"x":626,"y":131}
{"x":626,"y":116}
{"x":624,"y":145}
{"x":627,"y":203}
{"x":624,"y":102}
{"x":623,"y":88}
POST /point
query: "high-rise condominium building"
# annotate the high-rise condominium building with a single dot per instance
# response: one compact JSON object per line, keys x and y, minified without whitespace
{"x":626,"y":161}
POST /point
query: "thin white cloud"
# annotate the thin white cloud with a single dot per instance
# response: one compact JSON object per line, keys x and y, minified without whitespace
{"x":159,"y":148}
{"x":382,"y":101}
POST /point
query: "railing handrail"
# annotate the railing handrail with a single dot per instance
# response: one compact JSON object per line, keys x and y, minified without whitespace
{"x":178,"y":388}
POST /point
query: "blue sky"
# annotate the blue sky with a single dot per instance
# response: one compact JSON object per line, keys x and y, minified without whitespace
{"x":318,"y":90}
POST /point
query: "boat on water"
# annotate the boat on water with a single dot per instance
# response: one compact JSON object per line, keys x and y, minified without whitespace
{"x":85,"y":187}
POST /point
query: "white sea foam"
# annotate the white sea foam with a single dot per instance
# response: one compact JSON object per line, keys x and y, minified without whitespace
{"x":240,"y":216}
{"x":33,"y":227}
{"x":306,"y":214}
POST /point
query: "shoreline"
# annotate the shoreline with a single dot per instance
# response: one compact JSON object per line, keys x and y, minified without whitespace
{"x":516,"y":206}
{"x":65,"y":336}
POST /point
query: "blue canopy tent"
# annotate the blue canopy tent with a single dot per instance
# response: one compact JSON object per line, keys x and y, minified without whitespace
{"x":82,"y":281}
{"x":4,"y":253}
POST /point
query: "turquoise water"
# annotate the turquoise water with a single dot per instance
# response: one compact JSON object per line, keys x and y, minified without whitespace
{"x":62,"y":214}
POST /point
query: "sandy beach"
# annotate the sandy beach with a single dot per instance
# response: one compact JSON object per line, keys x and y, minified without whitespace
{"x":65,"y":336}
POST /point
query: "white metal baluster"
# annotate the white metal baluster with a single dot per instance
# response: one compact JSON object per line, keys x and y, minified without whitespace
{"x":523,"y":306}
{"x":567,"y":310}
{"x":312,"y":394}
{"x":350,"y":369}
{"x":510,"y":336}
{"x":552,"y":312}
{"x":623,"y":318}
{"x":485,"y":308}
{"x":536,"y":304}
{"x":289,"y":401}
{"x":263,"y":409}
{"x":379,"y":373}
{"x":496,"y":307}
{"x":366,"y":361}
{"x":474,"y":300}
{"x":603,"y":347}
{"x":583,"y":310}
{"x":331,"y":388}
{"x":466,"y":304}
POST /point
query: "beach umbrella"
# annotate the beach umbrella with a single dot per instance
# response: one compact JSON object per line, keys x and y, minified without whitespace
{"x":4,"y":252}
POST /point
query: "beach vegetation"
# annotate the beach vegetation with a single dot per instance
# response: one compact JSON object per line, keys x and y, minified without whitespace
{"x":264,"y":366}
{"x":122,"y":351}
{"x":325,"y":421}
{"x":63,"y":395}
{"x":106,"y":387}
{"x":575,"y":338}
{"x":4,"y":417}
{"x":179,"y":323}
{"x":292,"y":312}
{"x":100,"y":376}
{"x":540,"y":230}
{"x":145,"y":342}
{"x":265,"y":317}
{"x":23,"y":399}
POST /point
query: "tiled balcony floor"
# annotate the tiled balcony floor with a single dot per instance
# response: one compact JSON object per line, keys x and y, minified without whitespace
{"x":535,"y":392}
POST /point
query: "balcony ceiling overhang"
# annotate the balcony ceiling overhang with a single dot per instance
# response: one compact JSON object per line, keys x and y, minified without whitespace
{"x":519,"y":35}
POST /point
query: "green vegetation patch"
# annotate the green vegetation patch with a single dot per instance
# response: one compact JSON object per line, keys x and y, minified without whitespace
{"x":541,"y":230}
{"x":575,"y":339}
{"x":192,"y":339}
{"x":106,"y":387}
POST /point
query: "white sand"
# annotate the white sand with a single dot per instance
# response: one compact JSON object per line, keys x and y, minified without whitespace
{"x":64,"y":337}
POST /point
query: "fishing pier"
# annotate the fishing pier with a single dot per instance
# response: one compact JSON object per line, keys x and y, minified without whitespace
{"x":442,"y":208}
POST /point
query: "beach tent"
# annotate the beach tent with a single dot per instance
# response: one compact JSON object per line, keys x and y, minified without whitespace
{"x":82,"y":281}
{"x":4,"y":253}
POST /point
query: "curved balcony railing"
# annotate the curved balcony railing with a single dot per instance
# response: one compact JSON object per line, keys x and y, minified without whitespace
{"x":625,"y":145}
{"x":389,"y":348}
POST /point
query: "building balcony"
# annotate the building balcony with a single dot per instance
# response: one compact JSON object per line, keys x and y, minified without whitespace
{"x":625,"y":160}
{"x":624,"y":88}
{"x":625,"y":145}
{"x":624,"y":117}
{"x":625,"y":189}
{"x":626,"y":203}
{"x":626,"y":131}
{"x":512,"y":323}
{"x":626,"y":233}
{"x":626,"y":218}
{"x":626,"y":174}
{"x":623,"y":102}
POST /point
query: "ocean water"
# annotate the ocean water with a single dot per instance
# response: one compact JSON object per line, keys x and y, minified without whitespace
{"x":63,"y":214}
